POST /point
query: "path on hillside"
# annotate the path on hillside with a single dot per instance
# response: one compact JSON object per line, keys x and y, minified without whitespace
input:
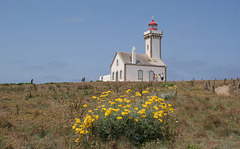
{"x":222,"y":90}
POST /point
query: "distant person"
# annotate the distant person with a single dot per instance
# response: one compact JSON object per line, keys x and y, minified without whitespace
{"x":153,"y":76}
{"x":32,"y":81}
{"x":156,"y":77}
{"x":162,"y":77}
{"x":83,"y":79}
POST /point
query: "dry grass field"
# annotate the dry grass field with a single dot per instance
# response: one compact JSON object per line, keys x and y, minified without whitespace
{"x":42,"y":115}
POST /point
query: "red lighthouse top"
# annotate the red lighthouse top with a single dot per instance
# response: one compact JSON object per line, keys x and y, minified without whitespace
{"x":152,"y":25}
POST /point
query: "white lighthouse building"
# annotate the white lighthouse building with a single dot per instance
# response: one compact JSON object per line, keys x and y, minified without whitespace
{"x":140,"y":67}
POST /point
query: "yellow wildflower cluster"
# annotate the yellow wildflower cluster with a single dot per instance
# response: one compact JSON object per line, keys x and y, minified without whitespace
{"x":125,"y":107}
{"x":82,"y":127}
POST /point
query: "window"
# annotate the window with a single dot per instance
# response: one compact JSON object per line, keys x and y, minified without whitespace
{"x":147,"y":47}
{"x":140,"y":74}
{"x":113,"y":76}
{"x":120,"y":74}
{"x":117,"y":62}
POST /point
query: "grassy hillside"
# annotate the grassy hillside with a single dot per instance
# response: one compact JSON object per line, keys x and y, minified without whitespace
{"x":42,"y":116}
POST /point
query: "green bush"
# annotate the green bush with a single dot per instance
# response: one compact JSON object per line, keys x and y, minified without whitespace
{"x":167,"y":84}
{"x":139,"y":117}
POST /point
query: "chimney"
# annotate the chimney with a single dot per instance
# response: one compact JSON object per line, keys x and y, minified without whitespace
{"x":134,"y":55}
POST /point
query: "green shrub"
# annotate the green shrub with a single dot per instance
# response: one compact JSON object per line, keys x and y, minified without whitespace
{"x":20,"y":83}
{"x":193,"y":147}
{"x":139,"y":117}
{"x":99,"y":81}
{"x":167,"y":84}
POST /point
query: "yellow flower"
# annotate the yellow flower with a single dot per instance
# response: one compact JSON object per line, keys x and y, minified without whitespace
{"x":160,"y":120}
{"x":103,"y":106}
{"x":82,"y":132}
{"x":89,"y":111}
{"x":148,"y":103}
{"x":78,"y":130}
{"x":122,"y":96}
{"x":86,"y":131}
{"x":119,"y":117}
{"x":103,"y":109}
{"x":93,"y":97}
{"x":130,"y":117}
{"x":143,"y":116}
{"x":145,"y":92}
{"x":156,"y":108}
{"x":77,"y":140}
{"x":73,"y":127}
{"x":142,"y":111}
{"x":124,"y":113}
{"x":138,"y":94}
{"x":129,"y":106}
{"x":128,"y":91}
{"x":116,"y":110}
{"x":136,"y":120}
{"x":128,"y":101}
{"x":96,"y":116}
{"x":84,"y":106}
{"x":112,"y":103}
{"x":77,"y":120}
{"x":155,"y":116}
{"x":108,"y":112}
{"x":126,"y":110}
{"x":175,"y":86}
{"x":136,"y":109}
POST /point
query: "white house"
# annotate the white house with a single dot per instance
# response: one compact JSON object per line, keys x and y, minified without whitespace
{"x":140,"y":67}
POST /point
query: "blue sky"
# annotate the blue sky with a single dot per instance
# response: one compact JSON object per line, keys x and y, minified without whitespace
{"x":62,"y":41}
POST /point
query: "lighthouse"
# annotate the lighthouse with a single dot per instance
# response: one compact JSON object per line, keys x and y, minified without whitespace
{"x":152,"y":39}
{"x":133,"y":66}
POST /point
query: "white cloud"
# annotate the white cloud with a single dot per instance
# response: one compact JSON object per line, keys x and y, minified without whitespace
{"x":73,"y":20}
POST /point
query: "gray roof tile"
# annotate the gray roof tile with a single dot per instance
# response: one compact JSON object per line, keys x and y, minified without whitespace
{"x":141,"y":59}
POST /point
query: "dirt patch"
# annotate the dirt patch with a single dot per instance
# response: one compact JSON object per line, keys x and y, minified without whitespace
{"x":222,"y":90}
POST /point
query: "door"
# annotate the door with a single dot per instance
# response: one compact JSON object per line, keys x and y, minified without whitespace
{"x":151,"y":75}
{"x":117,"y":76}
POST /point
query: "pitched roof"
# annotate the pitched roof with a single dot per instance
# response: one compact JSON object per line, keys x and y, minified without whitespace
{"x":141,"y":59}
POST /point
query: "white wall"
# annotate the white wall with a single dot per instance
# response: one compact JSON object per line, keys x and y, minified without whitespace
{"x":118,"y":68}
{"x":155,"y":42}
{"x":104,"y":78}
{"x":147,"y":43}
{"x":156,"y":47}
{"x":132,"y":72}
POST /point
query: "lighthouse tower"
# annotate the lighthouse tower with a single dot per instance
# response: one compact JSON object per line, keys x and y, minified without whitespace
{"x":152,"y":39}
